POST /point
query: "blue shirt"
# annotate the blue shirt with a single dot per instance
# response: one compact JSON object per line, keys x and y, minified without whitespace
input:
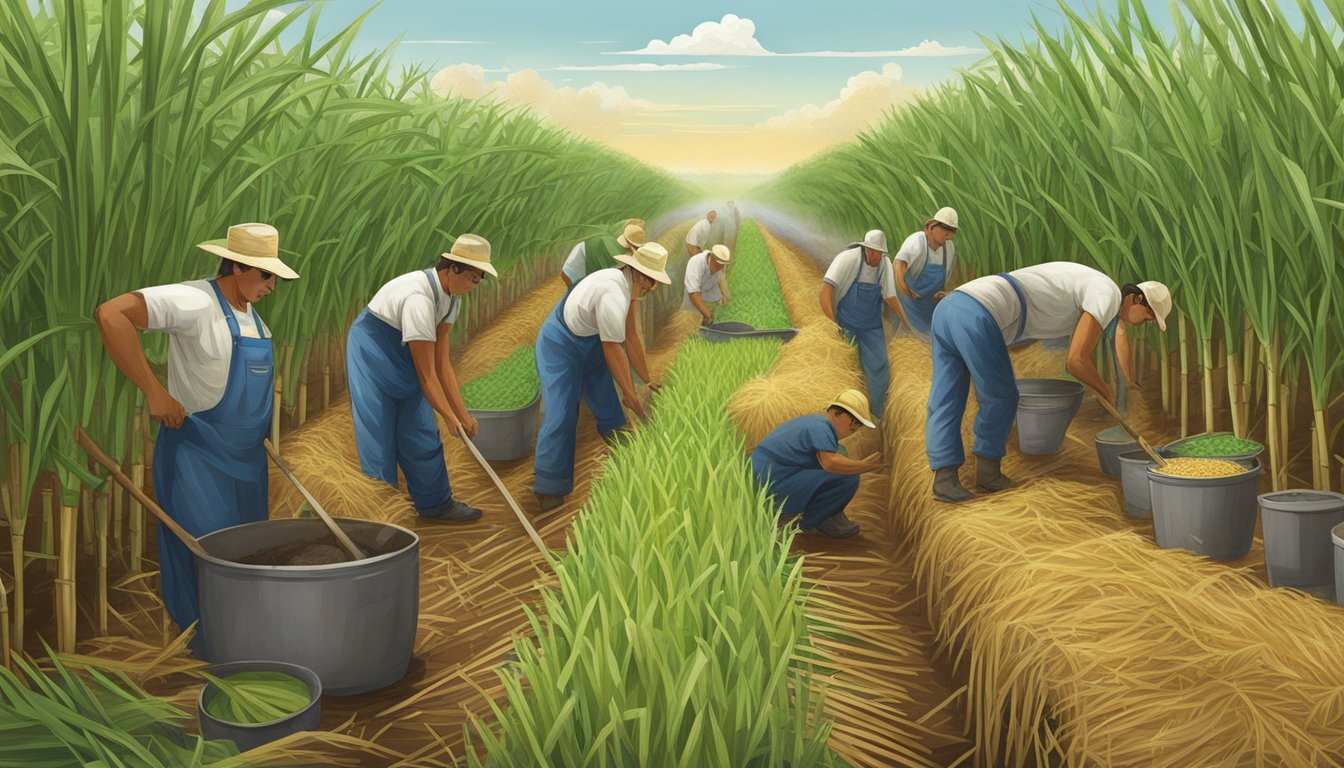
{"x":795,"y":443}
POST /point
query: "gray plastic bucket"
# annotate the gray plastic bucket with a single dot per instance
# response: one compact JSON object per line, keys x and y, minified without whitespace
{"x":1211,"y":516}
{"x":1134,"y":482}
{"x":1112,"y":442}
{"x":1044,"y":409}
{"x":1174,"y":448}
{"x":1297,"y":526}
{"x":351,"y":623}
{"x":1337,"y":536}
{"x":506,"y":435}
{"x":252,"y":736}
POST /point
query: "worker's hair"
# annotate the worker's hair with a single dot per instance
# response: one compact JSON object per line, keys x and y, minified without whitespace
{"x":1130,"y":289}
{"x":229,"y":267}
{"x":838,"y":409}
{"x":456,"y":266}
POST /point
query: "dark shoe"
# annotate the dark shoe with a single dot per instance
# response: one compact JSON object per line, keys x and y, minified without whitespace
{"x":617,"y":436}
{"x":838,"y":526}
{"x":947,"y":486}
{"x":988,"y":476}
{"x":548,"y":503}
{"x":452,"y":511}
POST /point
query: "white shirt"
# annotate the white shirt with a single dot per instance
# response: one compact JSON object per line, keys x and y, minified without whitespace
{"x":847,"y":268}
{"x":1057,"y":294}
{"x":415,"y":306}
{"x":598,"y":306}
{"x":916,"y":253}
{"x":200,"y":346}
{"x":576,"y":264}
{"x":700,"y":280}
{"x":698,"y":234}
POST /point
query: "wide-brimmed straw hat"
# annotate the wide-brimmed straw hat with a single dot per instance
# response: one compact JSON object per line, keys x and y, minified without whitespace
{"x":254,"y":245}
{"x":875,"y":239}
{"x":634,"y":234}
{"x":721,"y":253}
{"x":855,"y":403}
{"x":945,"y":216}
{"x":1158,"y":297}
{"x":650,"y":259}
{"x":474,"y":251}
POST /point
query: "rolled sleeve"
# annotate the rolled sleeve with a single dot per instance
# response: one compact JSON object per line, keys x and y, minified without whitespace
{"x":611,"y":314}
{"x":576,"y":263}
{"x":417,"y":320}
{"x":911,"y":249}
{"x":821,"y":437}
{"x":1102,"y":303}
{"x":174,"y":308}
{"x":695,"y":273}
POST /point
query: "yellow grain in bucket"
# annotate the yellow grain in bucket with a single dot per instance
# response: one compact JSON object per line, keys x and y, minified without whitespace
{"x":1185,"y":467}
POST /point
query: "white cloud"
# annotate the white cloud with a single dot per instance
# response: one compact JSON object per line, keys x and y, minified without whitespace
{"x":596,"y":110}
{"x":700,"y":66}
{"x":735,"y":36}
{"x":864,"y":99}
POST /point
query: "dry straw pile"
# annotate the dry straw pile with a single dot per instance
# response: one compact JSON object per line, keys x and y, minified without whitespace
{"x":1083,"y":641}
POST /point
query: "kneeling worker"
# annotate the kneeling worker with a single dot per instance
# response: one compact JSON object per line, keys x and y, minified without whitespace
{"x":706,"y":281}
{"x":400,"y":374}
{"x":972,"y":330}
{"x":801,"y":465}
{"x":586,"y":348}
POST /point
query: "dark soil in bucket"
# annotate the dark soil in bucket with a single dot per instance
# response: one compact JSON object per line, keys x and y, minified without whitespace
{"x":325,"y":550}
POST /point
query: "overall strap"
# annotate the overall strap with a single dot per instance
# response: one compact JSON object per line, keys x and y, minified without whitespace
{"x":434,"y":289}
{"x":229,"y":317}
{"x":1022,"y":301}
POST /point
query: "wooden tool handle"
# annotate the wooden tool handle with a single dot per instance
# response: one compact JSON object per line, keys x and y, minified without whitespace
{"x":1148,"y":449}
{"x":532,"y":532}
{"x":336,"y":531}
{"x":96,"y":453}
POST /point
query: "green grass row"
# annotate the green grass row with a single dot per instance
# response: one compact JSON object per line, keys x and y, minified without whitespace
{"x":753,"y":284}
{"x":513,"y":384}
{"x":677,"y":635}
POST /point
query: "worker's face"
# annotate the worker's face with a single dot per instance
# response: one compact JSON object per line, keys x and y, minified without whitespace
{"x":464,"y":281}
{"x":715,"y":265}
{"x":1135,"y":312}
{"x":938,"y":234}
{"x":711,"y":216}
{"x":644,"y":285}
{"x":873,"y":256}
{"x":845,"y":424}
{"x":255,"y":284}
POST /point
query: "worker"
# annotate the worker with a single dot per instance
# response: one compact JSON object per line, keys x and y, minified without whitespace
{"x":922,"y":265}
{"x":209,"y":459}
{"x":400,"y":374}
{"x":706,"y":281}
{"x":857,"y":283}
{"x":697,"y":237}
{"x":972,"y":330}
{"x":599,"y":252}
{"x":586,"y":348}
{"x":802,"y":465}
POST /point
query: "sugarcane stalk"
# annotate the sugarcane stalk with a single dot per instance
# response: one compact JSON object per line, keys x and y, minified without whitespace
{"x":1185,"y":379}
{"x":1164,"y":369}
{"x":65,"y":582}
{"x":275,"y":412}
{"x":1272,"y":432}
{"x":1247,"y":369}
{"x":118,"y":518}
{"x":100,"y":513}
{"x":303,"y":391}
{"x":48,"y":544}
{"x":1234,"y":393}
{"x":326,"y":349}
{"x":137,"y":520}
{"x":1206,"y":352}
{"x":4,"y":626}
{"x":1320,"y":449}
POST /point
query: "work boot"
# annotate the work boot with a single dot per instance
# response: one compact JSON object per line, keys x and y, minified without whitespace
{"x":947,"y":486}
{"x":988,"y":477}
{"x":452,"y":511}
{"x":838,"y":526}
{"x":548,"y":503}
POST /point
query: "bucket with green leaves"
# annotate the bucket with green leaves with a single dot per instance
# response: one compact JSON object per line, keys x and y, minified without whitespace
{"x":255,"y":702}
{"x":506,"y":402}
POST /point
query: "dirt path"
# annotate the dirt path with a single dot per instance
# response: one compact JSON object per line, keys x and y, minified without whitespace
{"x":892,"y":705}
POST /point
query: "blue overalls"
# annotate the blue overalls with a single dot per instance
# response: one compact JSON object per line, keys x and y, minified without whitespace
{"x":210,"y":473}
{"x":394,"y":423}
{"x":785,"y":464}
{"x":860,"y":314}
{"x":930,"y":280}
{"x":570,"y":366}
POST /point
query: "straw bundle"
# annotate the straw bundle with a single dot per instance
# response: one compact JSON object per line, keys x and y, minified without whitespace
{"x":1084,"y":642}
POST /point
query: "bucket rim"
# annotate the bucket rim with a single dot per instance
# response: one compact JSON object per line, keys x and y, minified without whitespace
{"x":298,"y":671}
{"x":219,"y":561}
{"x":1332,"y":502}
{"x":1206,"y":482}
{"x":510,"y":411}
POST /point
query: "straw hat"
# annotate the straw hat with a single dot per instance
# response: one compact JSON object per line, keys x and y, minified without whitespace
{"x":945,"y":216}
{"x":634,"y":235}
{"x":255,"y":245}
{"x":856,"y":404}
{"x":1158,"y":297}
{"x":474,"y":251}
{"x":722,"y":254}
{"x":649,"y":258}
{"x":875,"y":239}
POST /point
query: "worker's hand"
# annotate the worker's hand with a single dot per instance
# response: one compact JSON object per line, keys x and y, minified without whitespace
{"x":655,"y":386}
{"x":938,"y":296}
{"x":635,"y":407}
{"x":903,"y":287}
{"x":164,"y":409}
{"x":472,"y":425}
{"x":872,"y":462}
{"x":707,"y":318}
{"x":454,"y":425}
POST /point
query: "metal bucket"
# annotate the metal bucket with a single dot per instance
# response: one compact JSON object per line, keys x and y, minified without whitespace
{"x":1297,"y":527}
{"x":351,"y":623}
{"x":1112,"y":442}
{"x":1337,"y":536}
{"x":1211,"y":516}
{"x":252,"y":736}
{"x":506,"y":435}
{"x":1134,"y":482}
{"x":727,"y":331}
{"x":1044,"y":409}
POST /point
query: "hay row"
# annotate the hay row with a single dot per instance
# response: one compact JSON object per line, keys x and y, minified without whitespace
{"x":1085,"y":643}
